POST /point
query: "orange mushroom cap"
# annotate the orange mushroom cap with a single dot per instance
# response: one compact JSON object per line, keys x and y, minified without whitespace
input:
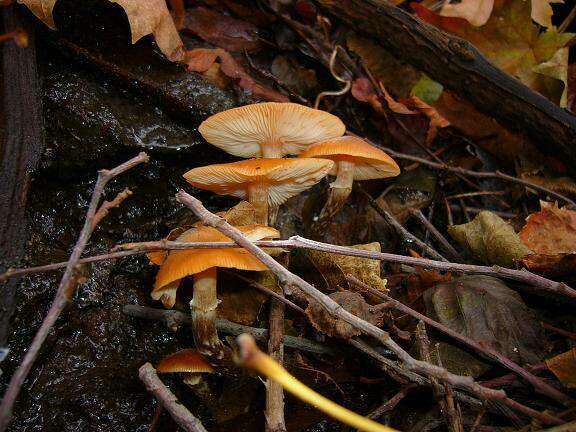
{"x":284,"y":177}
{"x":186,"y":361}
{"x":182,"y":263}
{"x":370,"y":162}
{"x":288,"y":127}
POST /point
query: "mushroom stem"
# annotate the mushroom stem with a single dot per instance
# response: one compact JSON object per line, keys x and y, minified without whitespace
{"x":273,"y":149}
{"x":203,"y":307}
{"x":340,"y":189}
{"x":255,"y":359}
{"x":258,"y":197}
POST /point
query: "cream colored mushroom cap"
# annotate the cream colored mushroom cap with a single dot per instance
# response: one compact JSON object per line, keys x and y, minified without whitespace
{"x":369,"y":162}
{"x":246,"y":130}
{"x":284,"y":178}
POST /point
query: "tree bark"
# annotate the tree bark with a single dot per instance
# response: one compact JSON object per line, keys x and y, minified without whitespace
{"x":458,"y":66}
{"x":20,"y":149}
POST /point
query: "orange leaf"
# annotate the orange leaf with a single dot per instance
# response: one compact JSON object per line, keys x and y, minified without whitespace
{"x":564,"y":367}
{"x":550,"y":231}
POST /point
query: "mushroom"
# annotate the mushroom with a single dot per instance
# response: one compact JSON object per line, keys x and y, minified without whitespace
{"x":263,"y":182}
{"x":203,"y":264}
{"x":270,"y":129}
{"x":253,"y":358}
{"x":354,"y":159}
{"x":187,"y":361}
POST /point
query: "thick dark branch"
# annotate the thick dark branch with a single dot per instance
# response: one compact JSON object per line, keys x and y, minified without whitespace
{"x":459,"y":66}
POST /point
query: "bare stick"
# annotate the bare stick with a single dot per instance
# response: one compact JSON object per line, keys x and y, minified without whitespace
{"x":403,"y":232}
{"x":274,"y":412}
{"x":109,"y":205}
{"x":179,"y":412}
{"x":175,"y":319}
{"x":543,"y":284}
{"x":484,"y":351}
{"x":391,"y":403}
{"x":65,"y":290}
{"x":437,"y":235}
{"x":289,"y":279}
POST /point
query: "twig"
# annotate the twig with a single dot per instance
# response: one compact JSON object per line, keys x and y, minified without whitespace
{"x":476,"y":210}
{"x":475,"y":194}
{"x":179,"y":413}
{"x":403,"y":232}
{"x":391,"y":403}
{"x":265,"y":290}
{"x":542,"y":284}
{"x":175,"y":319}
{"x":565,"y":333}
{"x":347,"y":82}
{"x":484,"y":351}
{"x":109,"y":205}
{"x":453,"y":420}
{"x":437,"y":235}
{"x":289,"y":279}
{"x":478,"y":419}
{"x":274,"y":412}
{"x":65,"y":290}
{"x":511,"y":378}
{"x":567,"y":21}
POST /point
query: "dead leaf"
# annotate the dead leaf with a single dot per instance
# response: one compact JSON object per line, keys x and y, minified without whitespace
{"x":223,"y":31}
{"x":201,"y":59}
{"x":564,"y":367}
{"x":550,"y":231}
{"x":490,"y":239}
{"x":288,"y":70}
{"x":542,"y":11}
{"x":336,"y":327}
{"x":513,"y":43}
{"x":397,"y":76}
{"x":437,"y":121}
{"x":145,"y":17}
{"x":424,"y":279}
{"x":485,"y":310}
{"x":335,"y":267}
{"x":476,"y":12}
{"x":554,"y":265}
{"x":240,"y":303}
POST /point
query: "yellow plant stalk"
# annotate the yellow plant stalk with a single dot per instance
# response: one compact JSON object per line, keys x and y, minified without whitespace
{"x":253,"y":358}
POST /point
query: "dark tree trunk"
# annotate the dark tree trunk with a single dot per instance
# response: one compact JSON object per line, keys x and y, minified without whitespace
{"x":20,"y":149}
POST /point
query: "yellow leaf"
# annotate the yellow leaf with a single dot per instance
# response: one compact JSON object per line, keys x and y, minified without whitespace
{"x":145,"y":17}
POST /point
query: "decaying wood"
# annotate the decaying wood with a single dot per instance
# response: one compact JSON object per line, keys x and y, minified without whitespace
{"x":20,"y":151}
{"x":179,"y":413}
{"x":66,"y":289}
{"x":460,"y":67}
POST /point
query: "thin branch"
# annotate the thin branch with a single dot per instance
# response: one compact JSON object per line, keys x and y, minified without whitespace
{"x":482,"y":350}
{"x":65,"y":291}
{"x":479,"y":174}
{"x":542,"y":284}
{"x":274,"y":412}
{"x":437,"y":234}
{"x":175,"y":319}
{"x":289,"y":279}
{"x":109,"y":205}
{"x":403,"y":232}
{"x":179,"y":412}
{"x":391,"y":403}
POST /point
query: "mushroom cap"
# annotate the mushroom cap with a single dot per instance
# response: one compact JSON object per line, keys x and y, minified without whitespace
{"x":370,"y":162}
{"x":182,"y":263}
{"x":187,"y":361}
{"x":245,"y":130}
{"x":284,"y":177}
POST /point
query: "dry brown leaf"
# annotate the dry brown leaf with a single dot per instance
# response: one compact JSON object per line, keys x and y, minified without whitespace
{"x":202,"y":59}
{"x":542,"y":11}
{"x":223,"y":31}
{"x":476,"y":12}
{"x":437,"y":121}
{"x":564,"y":367}
{"x":145,"y":17}
{"x":550,"y":231}
{"x":555,"y":265}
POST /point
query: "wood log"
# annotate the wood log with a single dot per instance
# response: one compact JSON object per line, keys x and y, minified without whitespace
{"x":459,"y":66}
{"x":20,"y":149}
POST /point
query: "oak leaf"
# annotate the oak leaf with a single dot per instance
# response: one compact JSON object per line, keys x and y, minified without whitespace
{"x":550,"y":231}
{"x":145,"y":17}
{"x":511,"y":41}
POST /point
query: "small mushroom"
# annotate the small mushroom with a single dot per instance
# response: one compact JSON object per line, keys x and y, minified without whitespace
{"x":263,"y":182}
{"x":203,"y":265}
{"x":354,"y":159}
{"x":269,"y":129}
{"x":253,"y":358}
{"x":187,"y":361}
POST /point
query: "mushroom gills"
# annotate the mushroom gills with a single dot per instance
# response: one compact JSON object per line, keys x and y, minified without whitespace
{"x":203,"y":307}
